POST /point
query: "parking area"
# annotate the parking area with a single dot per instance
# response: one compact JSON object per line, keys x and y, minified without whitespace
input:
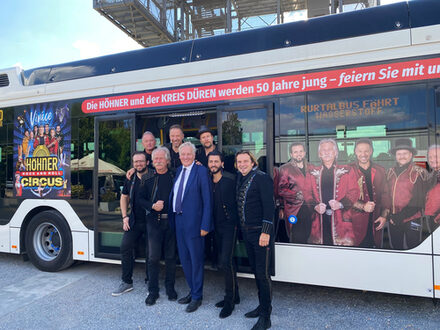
{"x":80,"y":298}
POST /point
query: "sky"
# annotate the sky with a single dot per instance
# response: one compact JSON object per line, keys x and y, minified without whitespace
{"x":36,"y":33}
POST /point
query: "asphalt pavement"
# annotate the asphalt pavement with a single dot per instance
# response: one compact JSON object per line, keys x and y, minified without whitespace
{"x":80,"y":298}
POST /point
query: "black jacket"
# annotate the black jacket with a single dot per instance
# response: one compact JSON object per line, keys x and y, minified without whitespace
{"x":255,"y":201}
{"x":149,"y":194}
{"x":227,"y":187}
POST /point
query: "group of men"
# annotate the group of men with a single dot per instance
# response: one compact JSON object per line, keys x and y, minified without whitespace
{"x":350,"y":205}
{"x":178,"y":201}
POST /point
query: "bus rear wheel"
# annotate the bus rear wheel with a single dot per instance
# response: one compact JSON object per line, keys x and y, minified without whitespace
{"x":49,"y":242}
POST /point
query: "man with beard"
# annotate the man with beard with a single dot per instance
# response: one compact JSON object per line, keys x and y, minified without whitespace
{"x":176,"y":140}
{"x":432,"y":206}
{"x":336,"y":190}
{"x":134,"y":225}
{"x":406,"y":182}
{"x":155,"y":199}
{"x":256,"y":210}
{"x":370,"y":211}
{"x":207,"y":140}
{"x":294,"y":189}
{"x":225,"y":224}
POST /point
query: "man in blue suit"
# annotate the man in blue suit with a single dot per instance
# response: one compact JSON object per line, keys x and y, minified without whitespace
{"x":190,"y":215}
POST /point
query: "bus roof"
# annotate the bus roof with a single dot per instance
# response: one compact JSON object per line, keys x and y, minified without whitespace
{"x":380,"y":19}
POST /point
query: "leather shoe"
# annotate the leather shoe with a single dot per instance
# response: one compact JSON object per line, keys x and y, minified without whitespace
{"x":172,"y":295}
{"x":193,"y":305}
{"x":263,"y":323}
{"x":253,"y":314}
{"x":226,"y":310}
{"x":221,"y":303}
{"x":151,"y":299}
{"x":185,"y":300}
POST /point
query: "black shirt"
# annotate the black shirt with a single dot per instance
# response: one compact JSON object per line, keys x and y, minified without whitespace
{"x":224,"y":202}
{"x":164,"y":187}
{"x":149,"y":160}
{"x":201,"y":155}
{"x":132,"y":189}
{"x":327,"y":181}
{"x":218,"y":205}
{"x":156,"y":188}
{"x":175,"y":160}
{"x":368,"y":181}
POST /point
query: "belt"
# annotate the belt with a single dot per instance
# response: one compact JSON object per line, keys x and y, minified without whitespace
{"x":250,"y":227}
{"x":162,"y":216}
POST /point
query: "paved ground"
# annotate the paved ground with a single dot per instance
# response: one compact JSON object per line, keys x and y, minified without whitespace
{"x":80,"y":298}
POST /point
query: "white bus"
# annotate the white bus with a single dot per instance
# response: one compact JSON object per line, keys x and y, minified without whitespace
{"x":67,"y":132}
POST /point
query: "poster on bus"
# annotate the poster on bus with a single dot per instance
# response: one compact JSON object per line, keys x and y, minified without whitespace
{"x":42,"y":151}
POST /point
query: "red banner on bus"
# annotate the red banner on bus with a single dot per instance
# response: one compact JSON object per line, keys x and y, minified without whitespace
{"x":333,"y":79}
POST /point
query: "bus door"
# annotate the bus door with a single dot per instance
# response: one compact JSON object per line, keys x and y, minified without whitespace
{"x":246,"y":127}
{"x":113,"y":141}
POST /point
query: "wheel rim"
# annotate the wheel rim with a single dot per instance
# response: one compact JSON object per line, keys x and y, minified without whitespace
{"x":47,"y":241}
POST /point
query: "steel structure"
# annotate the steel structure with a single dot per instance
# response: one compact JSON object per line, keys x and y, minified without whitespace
{"x":155,"y":22}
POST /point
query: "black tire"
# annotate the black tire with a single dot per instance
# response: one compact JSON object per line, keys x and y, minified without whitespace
{"x":49,"y":242}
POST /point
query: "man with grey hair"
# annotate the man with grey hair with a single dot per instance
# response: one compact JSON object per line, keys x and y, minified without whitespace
{"x":190,"y":211}
{"x":149,"y":144}
{"x":336,"y":190}
{"x":155,"y":198}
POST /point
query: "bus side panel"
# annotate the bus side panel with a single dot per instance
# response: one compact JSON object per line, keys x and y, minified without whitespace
{"x":436,"y":242}
{"x":4,"y":239}
{"x":62,"y":206}
{"x":382,"y":271}
{"x":80,"y":249}
{"x":436,"y":251}
{"x":79,"y":232}
{"x":15,"y":240}
{"x":437,"y":276}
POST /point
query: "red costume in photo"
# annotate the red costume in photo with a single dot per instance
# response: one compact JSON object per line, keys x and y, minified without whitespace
{"x":41,"y":140}
{"x":294,"y":189}
{"x":381,"y":198}
{"x":346,"y":191}
{"x":432,"y":207}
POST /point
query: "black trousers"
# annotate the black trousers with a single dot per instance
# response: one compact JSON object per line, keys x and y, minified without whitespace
{"x":259,"y":259}
{"x":211,"y":251}
{"x":300,"y":231}
{"x":410,"y":230}
{"x":160,"y":235}
{"x":226,"y":237}
{"x":128,"y":246}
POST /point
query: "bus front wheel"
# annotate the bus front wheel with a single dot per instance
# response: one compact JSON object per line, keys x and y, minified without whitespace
{"x":49,"y":242}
